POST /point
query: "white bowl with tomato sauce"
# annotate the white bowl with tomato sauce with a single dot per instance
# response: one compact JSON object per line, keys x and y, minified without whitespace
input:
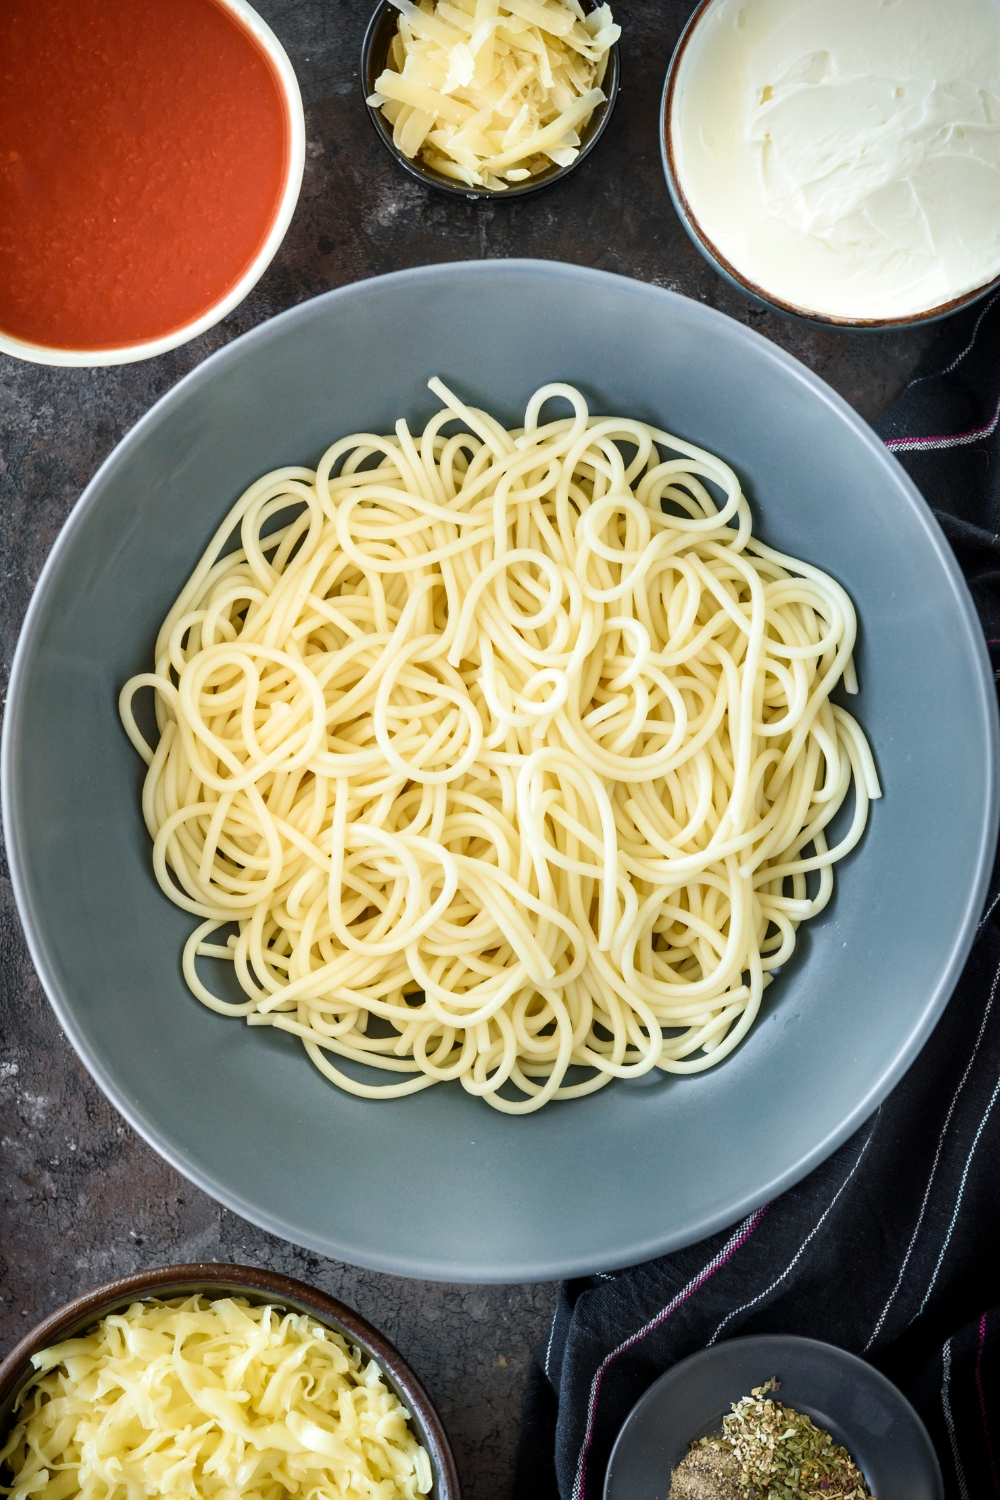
{"x":151,"y":156}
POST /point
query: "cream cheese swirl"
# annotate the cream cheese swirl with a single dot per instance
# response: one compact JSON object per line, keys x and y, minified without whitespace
{"x":845,"y":154}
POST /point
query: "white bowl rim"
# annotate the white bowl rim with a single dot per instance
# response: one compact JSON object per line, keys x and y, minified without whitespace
{"x":125,"y":354}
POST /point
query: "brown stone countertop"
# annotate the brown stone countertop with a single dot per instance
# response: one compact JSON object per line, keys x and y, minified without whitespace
{"x":83,"y":1198}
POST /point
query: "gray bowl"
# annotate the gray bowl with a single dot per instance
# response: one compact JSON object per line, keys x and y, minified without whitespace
{"x":863,"y":1411}
{"x":438,"y":1184}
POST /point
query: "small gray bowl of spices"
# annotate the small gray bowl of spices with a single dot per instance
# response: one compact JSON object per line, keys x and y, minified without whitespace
{"x":746,"y":1415}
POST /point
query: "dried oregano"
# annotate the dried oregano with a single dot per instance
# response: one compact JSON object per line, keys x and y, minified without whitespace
{"x":768,"y":1451}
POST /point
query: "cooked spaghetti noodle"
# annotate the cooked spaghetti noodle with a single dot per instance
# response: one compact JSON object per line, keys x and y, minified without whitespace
{"x":507,"y":760}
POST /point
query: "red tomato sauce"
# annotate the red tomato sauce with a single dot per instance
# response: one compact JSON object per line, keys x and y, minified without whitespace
{"x":144,"y":149}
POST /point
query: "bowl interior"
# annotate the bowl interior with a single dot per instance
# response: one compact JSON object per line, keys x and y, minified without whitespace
{"x":854,"y":1402}
{"x":374,"y":52}
{"x":438,"y":1184}
{"x":256,"y":1287}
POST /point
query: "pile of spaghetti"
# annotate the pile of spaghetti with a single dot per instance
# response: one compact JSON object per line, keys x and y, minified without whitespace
{"x":506,"y":760}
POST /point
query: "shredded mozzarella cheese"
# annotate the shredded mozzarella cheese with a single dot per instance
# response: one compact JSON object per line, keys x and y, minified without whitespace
{"x":201,"y":1400}
{"x":492,"y":92}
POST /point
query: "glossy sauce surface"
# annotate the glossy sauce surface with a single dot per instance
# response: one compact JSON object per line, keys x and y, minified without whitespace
{"x":143,"y":152}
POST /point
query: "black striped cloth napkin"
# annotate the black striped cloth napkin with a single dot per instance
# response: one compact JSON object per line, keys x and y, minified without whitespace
{"x":891,"y":1249}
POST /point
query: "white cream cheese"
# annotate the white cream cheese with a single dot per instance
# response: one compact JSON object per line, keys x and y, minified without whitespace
{"x":844,"y":155}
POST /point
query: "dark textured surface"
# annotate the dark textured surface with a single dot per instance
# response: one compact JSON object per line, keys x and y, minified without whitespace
{"x":83,"y":1197}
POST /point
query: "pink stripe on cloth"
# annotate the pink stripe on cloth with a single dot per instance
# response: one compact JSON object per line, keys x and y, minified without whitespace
{"x":729,"y":1249}
{"x":961,"y":439}
{"x":982,"y":1401}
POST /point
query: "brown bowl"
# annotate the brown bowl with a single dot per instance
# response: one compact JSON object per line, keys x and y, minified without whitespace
{"x":725,"y":268}
{"x":256,"y":1286}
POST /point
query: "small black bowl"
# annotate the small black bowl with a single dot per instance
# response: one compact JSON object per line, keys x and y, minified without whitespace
{"x":212,"y":1280}
{"x":374,"y":52}
{"x":841,"y":1393}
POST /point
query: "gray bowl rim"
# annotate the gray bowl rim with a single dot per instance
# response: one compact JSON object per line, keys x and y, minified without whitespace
{"x":831,"y":1352}
{"x":215,"y":1279}
{"x":714,"y":256}
{"x":571,"y":1263}
{"x":611,"y":82}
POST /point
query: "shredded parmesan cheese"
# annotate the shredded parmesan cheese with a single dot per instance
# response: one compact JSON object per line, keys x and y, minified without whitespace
{"x":492,"y":92}
{"x":211,"y":1401}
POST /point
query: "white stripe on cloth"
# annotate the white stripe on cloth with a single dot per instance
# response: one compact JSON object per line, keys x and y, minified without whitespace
{"x":934,"y":444}
{"x":802,"y":1248}
{"x":949,"y":1420}
{"x":934,"y":1166}
{"x":993,"y":904}
{"x":958,"y":1200}
{"x":936,"y":374}
{"x":548,"y":1347}
{"x":736,"y":1239}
